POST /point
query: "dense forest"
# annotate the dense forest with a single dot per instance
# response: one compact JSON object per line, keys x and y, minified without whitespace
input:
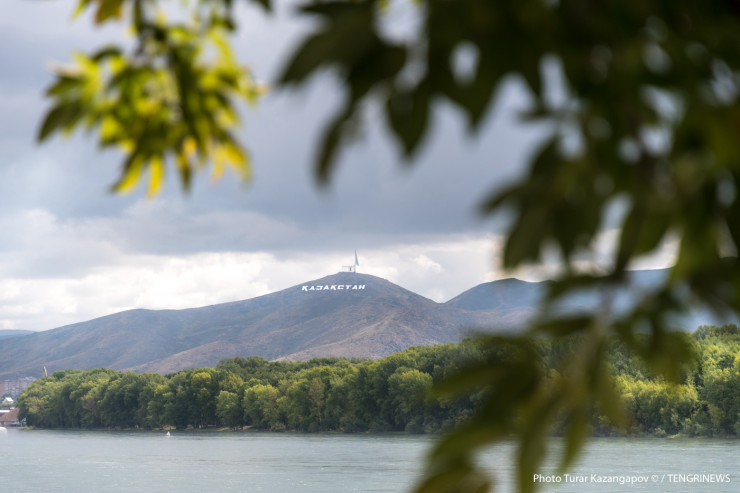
{"x":391,"y":394}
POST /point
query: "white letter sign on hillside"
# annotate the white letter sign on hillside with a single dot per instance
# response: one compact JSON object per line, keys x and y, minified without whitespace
{"x":333,"y":287}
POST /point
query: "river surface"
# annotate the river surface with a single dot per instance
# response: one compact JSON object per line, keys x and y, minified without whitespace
{"x":50,"y":461}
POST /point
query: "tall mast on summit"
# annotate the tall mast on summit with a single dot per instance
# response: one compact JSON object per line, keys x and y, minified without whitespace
{"x":351,"y":268}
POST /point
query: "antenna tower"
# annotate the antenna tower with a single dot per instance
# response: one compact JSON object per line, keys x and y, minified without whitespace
{"x":351,"y":268}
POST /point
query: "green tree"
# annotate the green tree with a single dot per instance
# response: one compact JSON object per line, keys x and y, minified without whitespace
{"x":229,"y":410}
{"x":149,"y":386}
{"x":658,"y":407}
{"x":121,"y":403}
{"x":40,"y":402}
{"x":638,"y":103}
{"x":316,"y":400}
{"x":261,"y":408}
{"x":341,"y":409}
{"x":160,"y":407}
{"x":408,"y":390}
{"x":88,"y":395}
{"x":362,"y":395}
{"x":201,"y":395}
{"x":721,"y":390}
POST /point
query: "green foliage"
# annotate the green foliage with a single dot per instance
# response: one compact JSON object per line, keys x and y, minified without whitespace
{"x":408,"y":389}
{"x":317,"y":395}
{"x":228,"y":410}
{"x":638,"y":104}
{"x":171,"y":99}
{"x":656,"y":406}
{"x":421,"y":390}
{"x":261,"y":409}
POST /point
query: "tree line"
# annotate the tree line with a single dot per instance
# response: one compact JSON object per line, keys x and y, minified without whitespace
{"x":395,"y":393}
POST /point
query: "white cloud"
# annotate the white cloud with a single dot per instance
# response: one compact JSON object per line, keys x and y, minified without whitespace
{"x":427,"y":264}
{"x":125,"y":280}
{"x":438,"y":268}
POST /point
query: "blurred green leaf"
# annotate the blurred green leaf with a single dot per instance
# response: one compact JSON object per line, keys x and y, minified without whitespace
{"x":109,"y":9}
{"x":576,"y":433}
{"x":265,"y":4}
{"x":408,"y":113}
{"x":169,"y":101}
{"x":532,"y":448}
{"x":341,"y":21}
{"x":565,"y":325}
{"x":60,"y":117}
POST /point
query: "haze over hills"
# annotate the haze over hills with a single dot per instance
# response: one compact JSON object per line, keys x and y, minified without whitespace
{"x":4,"y":334}
{"x":345,"y":314}
{"x":513,"y":294}
{"x":506,"y":293}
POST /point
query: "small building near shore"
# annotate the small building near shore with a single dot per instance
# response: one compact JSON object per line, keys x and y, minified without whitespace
{"x":9,"y":418}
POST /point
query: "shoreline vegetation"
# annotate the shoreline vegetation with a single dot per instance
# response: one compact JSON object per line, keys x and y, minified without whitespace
{"x":393,"y":394}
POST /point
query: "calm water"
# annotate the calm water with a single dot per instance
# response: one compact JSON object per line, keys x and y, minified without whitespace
{"x":33,"y":460}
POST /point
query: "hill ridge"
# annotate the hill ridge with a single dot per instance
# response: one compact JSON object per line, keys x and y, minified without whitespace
{"x":293,"y":323}
{"x":371,"y":321}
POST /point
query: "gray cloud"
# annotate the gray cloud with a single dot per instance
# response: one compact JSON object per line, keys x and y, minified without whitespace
{"x":372,"y":192}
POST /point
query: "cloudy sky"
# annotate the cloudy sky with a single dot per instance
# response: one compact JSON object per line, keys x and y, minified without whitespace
{"x":70,"y":251}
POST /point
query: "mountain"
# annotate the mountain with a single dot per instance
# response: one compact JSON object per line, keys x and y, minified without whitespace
{"x":4,"y":334}
{"x":523,"y":297}
{"x":503,"y":294}
{"x":346,"y":314}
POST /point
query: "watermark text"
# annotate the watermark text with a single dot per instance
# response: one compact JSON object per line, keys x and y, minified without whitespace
{"x":633,"y":479}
